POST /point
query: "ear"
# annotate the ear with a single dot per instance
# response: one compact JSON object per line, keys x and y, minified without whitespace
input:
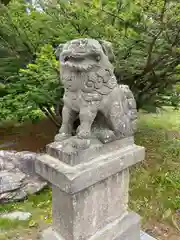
{"x":59,"y":50}
{"x":108,"y":49}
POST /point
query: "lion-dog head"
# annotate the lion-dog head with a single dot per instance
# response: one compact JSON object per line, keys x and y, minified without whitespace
{"x":84,"y":54}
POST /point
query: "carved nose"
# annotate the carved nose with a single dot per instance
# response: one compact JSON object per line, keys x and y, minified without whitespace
{"x":75,"y":41}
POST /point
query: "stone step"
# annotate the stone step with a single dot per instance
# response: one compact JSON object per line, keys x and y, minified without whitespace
{"x":145,"y":236}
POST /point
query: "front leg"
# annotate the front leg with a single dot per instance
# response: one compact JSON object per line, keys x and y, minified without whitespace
{"x":68,"y":118}
{"x":87,"y":116}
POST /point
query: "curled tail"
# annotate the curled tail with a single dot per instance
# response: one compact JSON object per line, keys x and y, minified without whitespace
{"x":131,"y":104}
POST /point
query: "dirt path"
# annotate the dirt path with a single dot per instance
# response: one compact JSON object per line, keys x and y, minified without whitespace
{"x":161,"y":231}
{"x":28,"y":137}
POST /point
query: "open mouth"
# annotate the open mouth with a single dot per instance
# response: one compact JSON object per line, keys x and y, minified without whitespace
{"x":73,"y":58}
{"x":80,"y":57}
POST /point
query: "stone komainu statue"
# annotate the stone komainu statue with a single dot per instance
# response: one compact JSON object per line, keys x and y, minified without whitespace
{"x":105,"y":109}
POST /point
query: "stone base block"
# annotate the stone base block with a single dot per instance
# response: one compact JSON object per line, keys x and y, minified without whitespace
{"x":124,"y":228}
{"x":145,"y":236}
{"x":50,"y":234}
{"x":90,"y":199}
{"x":73,"y":179}
{"x":81,"y":215}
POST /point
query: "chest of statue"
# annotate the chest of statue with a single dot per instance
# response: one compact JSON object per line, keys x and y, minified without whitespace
{"x":99,"y":80}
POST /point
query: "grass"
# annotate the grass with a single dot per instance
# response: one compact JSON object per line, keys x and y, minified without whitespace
{"x":168,"y":120}
{"x":155,"y":183}
{"x":38,"y":205}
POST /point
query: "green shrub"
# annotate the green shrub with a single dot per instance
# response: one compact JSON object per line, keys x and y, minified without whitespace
{"x":35,"y":89}
{"x":144,"y":34}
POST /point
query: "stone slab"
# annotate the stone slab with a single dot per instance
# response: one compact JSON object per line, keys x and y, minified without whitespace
{"x":25,"y":162}
{"x":145,"y":236}
{"x":72,"y":179}
{"x":50,"y":234}
{"x":125,"y":228}
{"x":73,"y":155}
{"x":82,"y":214}
{"x":17,"y":215}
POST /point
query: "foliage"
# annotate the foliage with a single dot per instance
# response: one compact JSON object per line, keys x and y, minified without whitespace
{"x":145,"y":37}
{"x":175,"y":97}
{"x":35,"y":87}
{"x":21,"y":35}
{"x":5,"y":2}
{"x":40,"y":82}
{"x":38,"y":205}
{"x":155,"y":183}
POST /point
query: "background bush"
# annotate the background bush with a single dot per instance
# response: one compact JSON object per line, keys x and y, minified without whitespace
{"x":145,"y":37}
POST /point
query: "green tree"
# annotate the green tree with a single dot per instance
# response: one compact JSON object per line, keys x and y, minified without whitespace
{"x":145,"y":37}
{"x":5,"y":2}
{"x":35,"y":87}
{"x":21,"y":36}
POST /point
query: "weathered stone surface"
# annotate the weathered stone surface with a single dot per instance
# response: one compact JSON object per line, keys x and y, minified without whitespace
{"x":17,"y":175}
{"x":25,"y":161}
{"x":127,"y":227}
{"x":82,"y":214}
{"x":145,"y":236}
{"x":17,"y":215}
{"x":11,"y":196}
{"x":90,"y":199}
{"x":6,"y":165}
{"x":33,"y":185}
{"x":51,"y":234}
{"x":91,"y":89}
{"x":7,"y":154}
{"x":73,"y":155}
{"x":73,"y":179}
{"x":10,"y":181}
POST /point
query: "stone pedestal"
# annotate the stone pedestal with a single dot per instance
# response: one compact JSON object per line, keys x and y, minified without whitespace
{"x":90,"y":191}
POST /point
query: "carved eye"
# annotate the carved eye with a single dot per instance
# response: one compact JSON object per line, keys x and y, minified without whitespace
{"x":83,"y":42}
{"x":98,"y":58}
{"x":66,"y":58}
